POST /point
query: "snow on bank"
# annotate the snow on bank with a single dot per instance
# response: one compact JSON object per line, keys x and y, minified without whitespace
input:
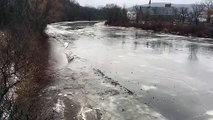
{"x":59,"y":107}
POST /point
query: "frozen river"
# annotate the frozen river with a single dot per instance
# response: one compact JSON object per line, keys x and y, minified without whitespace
{"x":132,"y":74}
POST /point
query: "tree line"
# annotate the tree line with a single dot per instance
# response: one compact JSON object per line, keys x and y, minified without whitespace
{"x":191,"y":14}
{"x":196,"y":20}
{"x":38,"y":13}
{"x":198,"y":9}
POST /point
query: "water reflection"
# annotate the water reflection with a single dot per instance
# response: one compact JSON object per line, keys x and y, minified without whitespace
{"x":193,"y":50}
{"x":159,"y":43}
{"x":135,"y":45}
{"x":136,"y":35}
{"x":115,"y":33}
{"x":159,"y":46}
{"x":123,"y":43}
{"x":208,"y":49}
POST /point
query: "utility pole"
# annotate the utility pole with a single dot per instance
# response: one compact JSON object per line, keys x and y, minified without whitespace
{"x":148,"y":11}
{"x":150,"y":2}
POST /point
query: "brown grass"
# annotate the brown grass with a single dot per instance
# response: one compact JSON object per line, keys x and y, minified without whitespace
{"x":28,"y":51}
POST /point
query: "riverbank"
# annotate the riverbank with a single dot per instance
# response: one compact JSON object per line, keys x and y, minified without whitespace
{"x":24,"y":68}
{"x":200,"y":30}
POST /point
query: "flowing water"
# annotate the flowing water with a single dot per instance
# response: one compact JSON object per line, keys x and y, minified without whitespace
{"x":166,"y":76}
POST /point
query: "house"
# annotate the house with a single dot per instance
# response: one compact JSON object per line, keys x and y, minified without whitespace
{"x":131,"y":15}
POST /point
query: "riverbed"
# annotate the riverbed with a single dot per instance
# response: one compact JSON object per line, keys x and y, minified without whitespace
{"x":116,"y":73}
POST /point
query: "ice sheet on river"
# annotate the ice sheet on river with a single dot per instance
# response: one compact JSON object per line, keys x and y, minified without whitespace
{"x":85,"y":92}
{"x":129,"y":74}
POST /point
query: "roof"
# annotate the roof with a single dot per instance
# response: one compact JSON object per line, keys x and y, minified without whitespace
{"x":158,"y":10}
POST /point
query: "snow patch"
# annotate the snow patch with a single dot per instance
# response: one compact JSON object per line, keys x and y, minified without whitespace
{"x":120,"y":56}
{"x":59,"y":106}
{"x":66,"y":44}
{"x":147,"y":88}
{"x":115,"y":62}
{"x":210,"y":113}
{"x":143,"y":66}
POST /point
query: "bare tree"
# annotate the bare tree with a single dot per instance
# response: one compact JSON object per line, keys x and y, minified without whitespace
{"x":115,"y":14}
{"x":197,"y":10}
{"x":209,"y":9}
{"x":183,"y":14}
{"x":10,"y":64}
{"x":21,"y":65}
{"x":137,"y":10}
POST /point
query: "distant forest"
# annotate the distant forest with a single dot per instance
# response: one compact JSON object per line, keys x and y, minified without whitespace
{"x":41,"y":12}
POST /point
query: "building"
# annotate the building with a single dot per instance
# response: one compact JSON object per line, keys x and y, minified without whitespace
{"x":166,"y":13}
{"x":168,"y":10}
{"x":154,"y":13}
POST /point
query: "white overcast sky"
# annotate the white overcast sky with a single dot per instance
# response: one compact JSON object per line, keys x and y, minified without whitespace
{"x":128,"y":3}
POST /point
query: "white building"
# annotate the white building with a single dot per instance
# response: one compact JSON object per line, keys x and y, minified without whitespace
{"x":131,"y":15}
